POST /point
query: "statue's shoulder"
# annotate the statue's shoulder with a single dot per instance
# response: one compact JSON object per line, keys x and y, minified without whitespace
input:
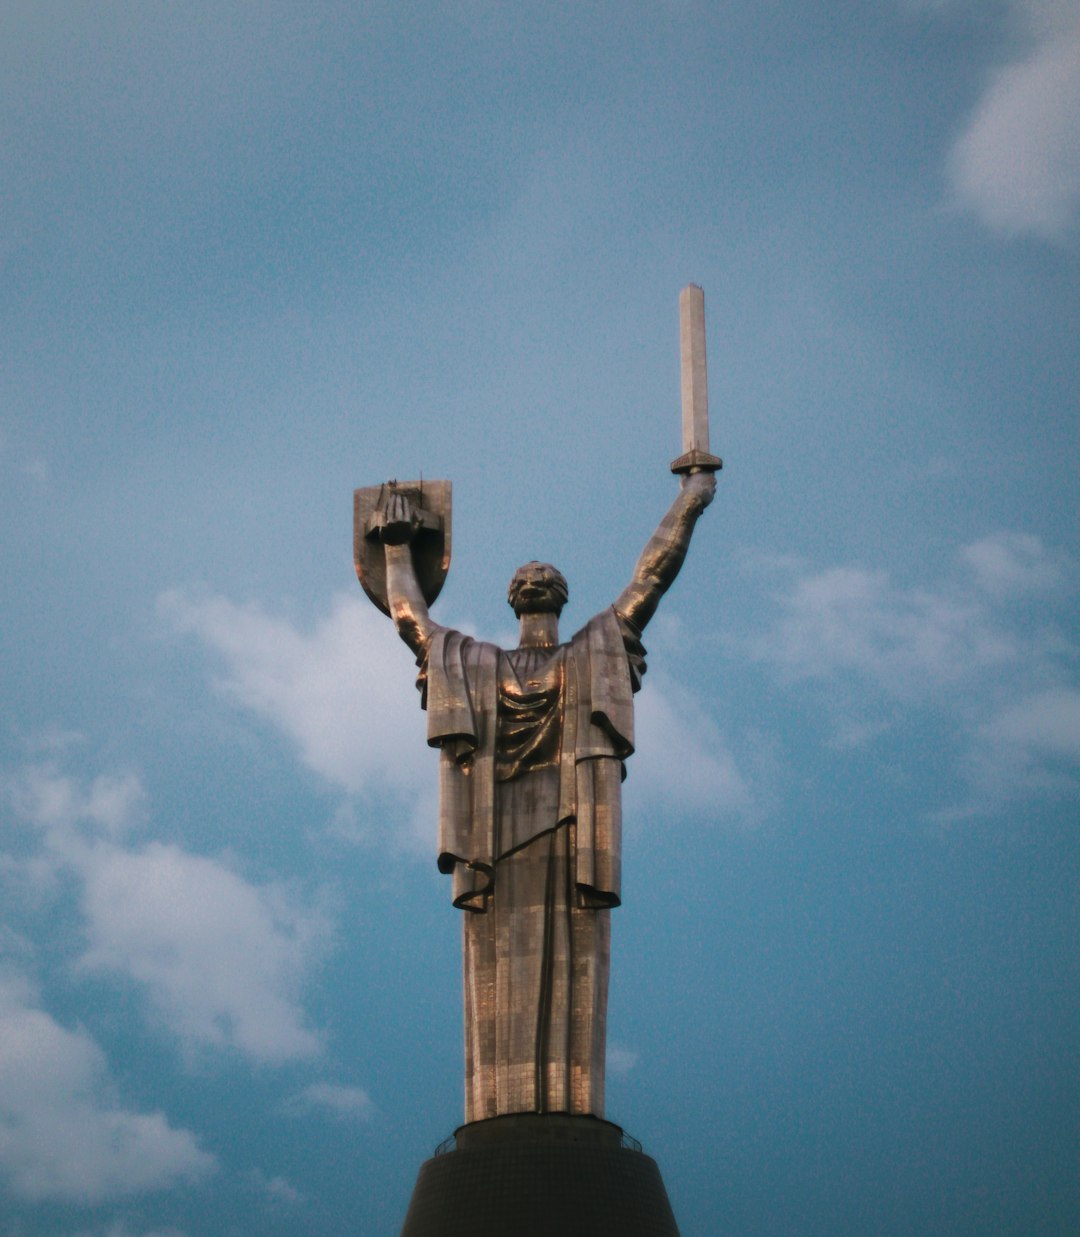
{"x":605,"y":626}
{"x":447,"y":644}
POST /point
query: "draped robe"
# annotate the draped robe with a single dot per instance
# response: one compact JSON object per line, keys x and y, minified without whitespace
{"x":532,"y":743}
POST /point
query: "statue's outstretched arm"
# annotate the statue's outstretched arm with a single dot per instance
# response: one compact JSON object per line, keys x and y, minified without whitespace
{"x":663,"y":556}
{"x":408,"y":608}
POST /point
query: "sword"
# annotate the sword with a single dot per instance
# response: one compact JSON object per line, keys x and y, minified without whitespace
{"x":695,"y":386}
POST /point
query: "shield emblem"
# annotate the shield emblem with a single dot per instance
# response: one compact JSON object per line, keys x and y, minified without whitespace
{"x":430,"y":546}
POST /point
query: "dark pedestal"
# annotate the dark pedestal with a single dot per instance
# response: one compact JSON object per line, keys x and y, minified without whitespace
{"x":540,"y":1175}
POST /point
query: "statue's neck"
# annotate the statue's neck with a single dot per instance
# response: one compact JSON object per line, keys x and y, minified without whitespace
{"x":539,"y":631}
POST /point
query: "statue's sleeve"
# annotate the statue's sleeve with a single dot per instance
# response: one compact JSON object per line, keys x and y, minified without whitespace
{"x":608,"y":662}
{"x":444,"y":686}
{"x":634,"y":650}
{"x":459,"y":686}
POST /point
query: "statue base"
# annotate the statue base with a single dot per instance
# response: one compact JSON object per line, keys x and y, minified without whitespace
{"x":540,"y":1175}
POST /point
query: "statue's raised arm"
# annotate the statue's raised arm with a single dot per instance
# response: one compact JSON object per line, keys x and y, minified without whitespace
{"x":663,"y":556}
{"x":397,"y":526}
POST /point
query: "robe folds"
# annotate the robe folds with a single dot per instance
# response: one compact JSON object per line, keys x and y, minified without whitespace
{"x":532,"y":744}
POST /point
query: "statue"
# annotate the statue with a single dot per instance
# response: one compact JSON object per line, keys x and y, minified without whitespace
{"x":532,"y":745}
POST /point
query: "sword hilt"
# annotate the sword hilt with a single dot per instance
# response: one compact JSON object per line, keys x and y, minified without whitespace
{"x":697,"y":461}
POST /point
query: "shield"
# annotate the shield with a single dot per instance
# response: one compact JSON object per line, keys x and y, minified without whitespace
{"x":430,"y":546}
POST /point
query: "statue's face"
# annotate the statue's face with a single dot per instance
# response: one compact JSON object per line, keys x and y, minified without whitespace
{"x":537,"y":588}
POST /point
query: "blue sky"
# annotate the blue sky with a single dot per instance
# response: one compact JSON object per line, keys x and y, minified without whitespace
{"x":255,"y":256}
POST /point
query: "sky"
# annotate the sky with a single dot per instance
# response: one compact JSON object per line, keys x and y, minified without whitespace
{"x":255,"y":256}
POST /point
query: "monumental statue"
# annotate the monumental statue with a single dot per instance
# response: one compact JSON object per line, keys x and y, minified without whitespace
{"x":532,"y":743}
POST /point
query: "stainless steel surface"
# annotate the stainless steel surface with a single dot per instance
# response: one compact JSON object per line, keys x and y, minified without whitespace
{"x":695,"y":381}
{"x":430,"y":502}
{"x":695,"y":384}
{"x":532,"y":742}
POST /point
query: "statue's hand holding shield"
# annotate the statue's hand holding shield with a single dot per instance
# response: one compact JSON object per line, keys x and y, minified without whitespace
{"x":397,"y":521}
{"x":396,"y":513}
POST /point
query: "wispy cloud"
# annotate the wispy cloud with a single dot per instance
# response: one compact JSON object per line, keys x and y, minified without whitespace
{"x":682,"y":758}
{"x":847,"y":621}
{"x":275,"y":1189}
{"x":112,"y":803}
{"x":979,"y":648}
{"x":63,"y":1136}
{"x":1012,"y":564}
{"x":340,"y":1101}
{"x":1029,"y":746}
{"x":620,"y":1059}
{"x":1017,"y":162}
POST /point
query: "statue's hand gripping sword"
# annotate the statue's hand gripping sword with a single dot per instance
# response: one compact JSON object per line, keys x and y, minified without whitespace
{"x":695,"y":386}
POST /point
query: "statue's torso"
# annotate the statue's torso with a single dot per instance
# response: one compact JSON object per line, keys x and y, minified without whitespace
{"x":528,"y":721}
{"x":528,"y":742}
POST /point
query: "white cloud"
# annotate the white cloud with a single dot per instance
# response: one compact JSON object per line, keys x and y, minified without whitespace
{"x":222,"y":961}
{"x":62,"y":1134}
{"x":343,"y":692}
{"x":1017,"y":162}
{"x":341,"y":1101}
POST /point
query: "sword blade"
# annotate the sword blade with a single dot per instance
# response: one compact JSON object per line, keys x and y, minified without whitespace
{"x":695,"y":382}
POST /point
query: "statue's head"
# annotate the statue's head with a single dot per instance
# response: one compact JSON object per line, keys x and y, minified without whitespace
{"x":537,"y":588}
